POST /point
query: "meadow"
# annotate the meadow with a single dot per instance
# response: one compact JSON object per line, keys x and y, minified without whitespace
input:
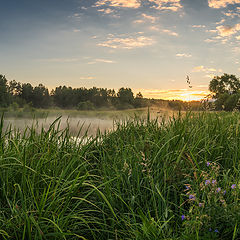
{"x":173,"y":178}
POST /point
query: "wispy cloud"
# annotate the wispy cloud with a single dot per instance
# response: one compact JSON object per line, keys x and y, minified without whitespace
{"x":119,"y":3}
{"x":221,"y":3}
{"x":205,"y":69}
{"x":183,"y":55}
{"x":127,"y":42}
{"x":150,"y":18}
{"x":101,"y":60}
{"x":170,"y":32}
{"x":87,"y":78}
{"x":146,"y":18}
{"x":106,"y":10}
{"x":172,"y":5}
{"x":198,"y":26}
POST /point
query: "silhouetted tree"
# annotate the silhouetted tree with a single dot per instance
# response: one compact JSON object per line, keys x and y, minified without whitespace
{"x":4,"y":92}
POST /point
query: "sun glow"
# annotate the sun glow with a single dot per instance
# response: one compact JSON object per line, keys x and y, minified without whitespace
{"x":174,"y":94}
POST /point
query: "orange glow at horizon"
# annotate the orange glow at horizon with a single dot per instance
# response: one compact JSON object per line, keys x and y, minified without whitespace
{"x":174,"y":94}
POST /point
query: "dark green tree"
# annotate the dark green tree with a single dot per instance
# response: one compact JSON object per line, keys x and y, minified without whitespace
{"x":125,"y":95}
{"x":226,"y":83}
{"x":4,"y":92}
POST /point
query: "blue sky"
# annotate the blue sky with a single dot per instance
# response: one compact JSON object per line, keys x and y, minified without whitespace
{"x":148,"y":45}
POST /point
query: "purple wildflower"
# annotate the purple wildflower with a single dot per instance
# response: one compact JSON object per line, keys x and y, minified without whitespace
{"x":192,"y":197}
{"x":214,"y":182}
{"x":200,"y":204}
{"x":233,"y":186}
{"x":216,"y":231}
{"x":207,"y":182}
{"x":218,"y":190}
{"x":208,"y":164}
{"x":210,"y":229}
{"x":224,"y":192}
{"x":182,"y":217}
{"x":187,"y":187}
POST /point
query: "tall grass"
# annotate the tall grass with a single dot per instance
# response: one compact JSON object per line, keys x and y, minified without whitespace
{"x":135,"y":182}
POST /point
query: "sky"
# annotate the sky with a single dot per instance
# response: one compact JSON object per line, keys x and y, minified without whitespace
{"x":147,"y":45}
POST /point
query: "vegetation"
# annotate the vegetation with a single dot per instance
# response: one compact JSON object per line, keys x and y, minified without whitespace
{"x":16,"y":96}
{"x":226,"y":91}
{"x":172,"y":179}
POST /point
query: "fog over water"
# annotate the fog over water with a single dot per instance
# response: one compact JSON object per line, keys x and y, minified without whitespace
{"x":89,"y":122}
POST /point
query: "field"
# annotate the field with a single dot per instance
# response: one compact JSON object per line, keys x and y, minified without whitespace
{"x":173,"y":178}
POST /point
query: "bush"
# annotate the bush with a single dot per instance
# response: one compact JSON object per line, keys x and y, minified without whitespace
{"x":85,"y":106}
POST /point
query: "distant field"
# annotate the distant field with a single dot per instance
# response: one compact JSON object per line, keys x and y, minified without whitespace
{"x":177,"y":178}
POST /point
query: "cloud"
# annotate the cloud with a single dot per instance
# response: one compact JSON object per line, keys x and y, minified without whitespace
{"x":172,"y":5}
{"x":127,"y":42}
{"x":106,"y":10}
{"x":221,"y":21}
{"x":205,"y":69}
{"x":146,"y":18}
{"x":150,"y":18}
{"x":232,"y":13}
{"x":170,"y":32}
{"x":221,"y":3}
{"x":227,"y":30}
{"x":101,"y":60}
{"x":139,"y":21}
{"x":119,"y":3}
{"x":86,"y":78}
{"x":182,"y":55}
{"x":198,"y":26}
{"x":154,"y":28}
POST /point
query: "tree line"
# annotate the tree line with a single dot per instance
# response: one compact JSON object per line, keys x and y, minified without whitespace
{"x":19,"y":94}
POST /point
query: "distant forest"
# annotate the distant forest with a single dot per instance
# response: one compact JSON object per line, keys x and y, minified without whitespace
{"x":14,"y":95}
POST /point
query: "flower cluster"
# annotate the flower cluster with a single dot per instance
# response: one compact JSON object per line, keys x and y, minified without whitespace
{"x":204,"y":195}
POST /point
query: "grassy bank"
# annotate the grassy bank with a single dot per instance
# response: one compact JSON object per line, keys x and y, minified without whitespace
{"x":177,"y":179}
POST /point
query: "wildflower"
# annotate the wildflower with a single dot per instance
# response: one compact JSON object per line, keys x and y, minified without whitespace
{"x":208,"y":164}
{"x":207,"y":182}
{"x":183,"y":217}
{"x":224,"y":192}
{"x":210,"y":229}
{"x":200,"y":204}
{"x":187,"y":187}
{"x":214,"y":182}
{"x":216,"y":231}
{"x":233,"y":186}
{"x":218,"y":190}
{"x":192,"y":197}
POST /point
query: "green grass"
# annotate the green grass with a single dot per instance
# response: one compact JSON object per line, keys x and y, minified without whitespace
{"x":126,"y":184}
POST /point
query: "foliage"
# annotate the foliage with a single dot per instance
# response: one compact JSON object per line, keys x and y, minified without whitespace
{"x":85,"y":106}
{"x":126,"y":184}
{"x":4,"y":95}
{"x":229,"y":84}
{"x":226,"y":91}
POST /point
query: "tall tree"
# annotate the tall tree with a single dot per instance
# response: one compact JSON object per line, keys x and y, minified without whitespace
{"x":125,"y":95}
{"x":226,"y":83}
{"x":4,"y":92}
